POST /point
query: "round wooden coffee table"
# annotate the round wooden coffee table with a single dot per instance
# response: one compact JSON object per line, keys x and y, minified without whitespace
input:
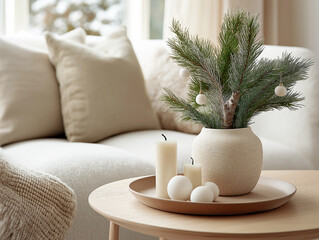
{"x":297,"y":219}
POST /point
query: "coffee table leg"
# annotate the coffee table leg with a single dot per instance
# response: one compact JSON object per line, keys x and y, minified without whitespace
{"x":114,"y":231}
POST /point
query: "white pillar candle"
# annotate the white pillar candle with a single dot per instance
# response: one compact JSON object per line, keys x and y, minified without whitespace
{"x":166,"y":165}
{"x":194,"y":173}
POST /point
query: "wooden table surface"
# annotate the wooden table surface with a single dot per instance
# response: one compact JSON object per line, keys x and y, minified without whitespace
{"x":297,"y":219}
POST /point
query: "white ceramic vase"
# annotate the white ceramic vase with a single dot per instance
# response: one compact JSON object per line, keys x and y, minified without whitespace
{"x":231,"y":158}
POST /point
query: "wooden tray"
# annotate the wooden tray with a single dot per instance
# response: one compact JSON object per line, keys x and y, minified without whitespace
{"x":268,"y":194}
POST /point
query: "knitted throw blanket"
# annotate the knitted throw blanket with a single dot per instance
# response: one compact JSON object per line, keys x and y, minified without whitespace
{"x":33,"y":205}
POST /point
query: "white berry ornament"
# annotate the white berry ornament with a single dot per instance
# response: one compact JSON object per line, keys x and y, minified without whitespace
{"x":202,"y":194}
{"x":280,"y":90}
{"x":214,"y":188}
{"x":184,"y":73}
{"x":201,"y":99}
{"x":179,"y":188}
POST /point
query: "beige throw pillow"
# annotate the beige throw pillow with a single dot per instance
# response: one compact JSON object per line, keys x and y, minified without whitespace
{"x":102,"y":89}
{"x":161,"y":72}
{"x":29,"y":94}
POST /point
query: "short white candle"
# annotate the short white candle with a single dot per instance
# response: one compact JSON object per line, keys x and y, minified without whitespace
{"x":166,"y":166}
{"x":194,"y":173}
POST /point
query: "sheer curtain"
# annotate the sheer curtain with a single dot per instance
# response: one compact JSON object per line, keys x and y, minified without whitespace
{"x":1,"y":16}
{"x":284,"y":22}
{"x":14,"y":16}
{"x":204,"y":17}
{"x":137,"y":19}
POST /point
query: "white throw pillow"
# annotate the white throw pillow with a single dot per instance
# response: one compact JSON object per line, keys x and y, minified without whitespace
{"x":102,"y":88}
{"x":29,"y":93}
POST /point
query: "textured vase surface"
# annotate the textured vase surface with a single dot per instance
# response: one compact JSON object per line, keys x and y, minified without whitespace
{"x":231,"y":158}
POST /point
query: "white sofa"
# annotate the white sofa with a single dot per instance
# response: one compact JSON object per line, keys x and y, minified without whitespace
{"x":289,"y":142}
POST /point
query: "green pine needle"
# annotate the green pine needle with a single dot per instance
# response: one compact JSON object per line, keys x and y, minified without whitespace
{"x":232,"y":66}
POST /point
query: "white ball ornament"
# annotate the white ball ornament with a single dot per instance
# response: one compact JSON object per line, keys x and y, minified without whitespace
{"x":280,"y":90}
{"x":202,"y":194}
{"x":214,"y":188}
{"x":201,"y":99}
{"x":184,"y":73}
{"x":179,"y":188}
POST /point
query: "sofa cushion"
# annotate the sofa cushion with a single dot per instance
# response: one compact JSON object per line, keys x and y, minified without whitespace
{"x":142,"y":143}
{"x":102,"y":89}
{"x":83,"y":167}
{"x":29,"y":94}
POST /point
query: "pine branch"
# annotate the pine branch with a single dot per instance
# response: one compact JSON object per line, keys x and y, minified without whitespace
{"x":291,"y":101}
{"x":210,"y":107}
{"x":197,"y":55}
{"x":242,"y":63}
{"x":238,"y":85}
{"x":260,"y":73}
{"x":292,"y":69}
{"x":188,"y":111}
{"x":249,"y":49}
{"x":228,"y":43}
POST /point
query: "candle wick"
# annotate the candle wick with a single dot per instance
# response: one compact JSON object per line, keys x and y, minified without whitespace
{"x":164,"y":137}
{"x":192,"y":161}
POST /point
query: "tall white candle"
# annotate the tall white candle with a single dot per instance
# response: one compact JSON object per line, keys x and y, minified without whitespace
{"x":166,"y":165}
{"x":194,"y":173}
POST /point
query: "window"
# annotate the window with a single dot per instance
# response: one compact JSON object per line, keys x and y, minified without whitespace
{"x":144,"y":18}
{"x":156,"y":19}
{"x":60,"y":16}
